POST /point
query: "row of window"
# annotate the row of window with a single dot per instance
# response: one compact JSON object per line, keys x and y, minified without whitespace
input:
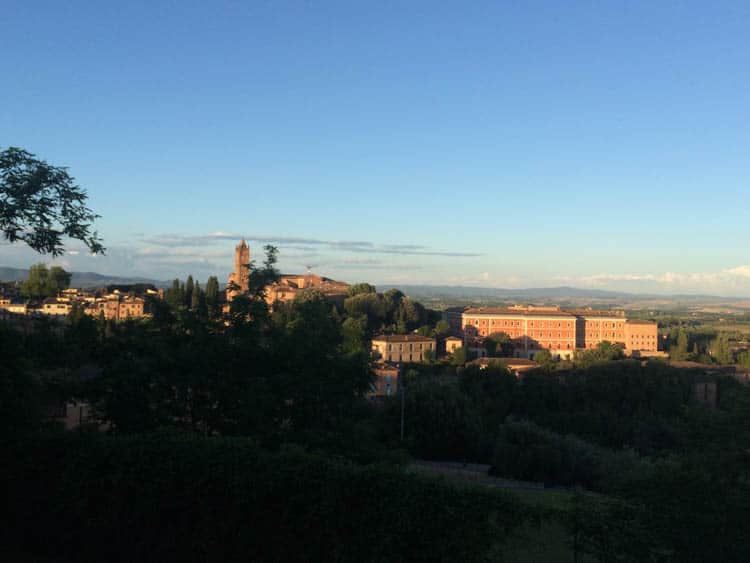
{"x":550,"y":334}
{"x":540,"y":324}
{"x":401,"y":346}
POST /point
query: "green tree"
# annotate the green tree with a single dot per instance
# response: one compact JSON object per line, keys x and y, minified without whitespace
{"x":545,"y":360}
{"x":40,"y":204}
{"x":720,"y":349}
{"x":359,"y":288}
{"x":411,"y":314}
{"x":175,"y":295}
{"x":392,"y":301}
{"x":354,"y":331}
{"x":459,"y":356}
{"x":426,"y":330}
{"x":42,"y":282}
{"x":196,"y":297}
{"x":189,"y":286}
{"x":679,"y":351}
{"x":370,"y":305}
{"x":19,"y":391}
{"x":320,"y":380}
{"x":36,"y":284}
{"x":212,"y":295}
{"x":442,"y":329}
{"x":498,"y":344}
{"x":58,"y":280}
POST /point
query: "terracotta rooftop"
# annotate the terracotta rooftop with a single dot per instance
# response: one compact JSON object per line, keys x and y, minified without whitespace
{"x":510,"y":362}
{"x":544,"y":312}
{"x":596,"y":313}
{"x":518,"y":311}
{"x":402,"y":338}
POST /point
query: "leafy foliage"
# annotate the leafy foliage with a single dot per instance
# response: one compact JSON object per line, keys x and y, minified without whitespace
{"x":40,"y":204}
{"x":168,"y":497}
{"x":43,"y":282}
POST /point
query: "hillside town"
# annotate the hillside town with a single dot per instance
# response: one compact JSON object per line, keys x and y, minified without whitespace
{"x":530,"y":329}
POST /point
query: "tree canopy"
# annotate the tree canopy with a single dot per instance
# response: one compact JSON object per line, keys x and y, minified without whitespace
{"x":43,"y":282}
{"x":40,"y":204}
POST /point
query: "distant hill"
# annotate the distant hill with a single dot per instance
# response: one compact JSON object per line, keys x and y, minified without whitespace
{"x":502,"y":293}
{"x":439,"y":295}
{"x":81,"y":279}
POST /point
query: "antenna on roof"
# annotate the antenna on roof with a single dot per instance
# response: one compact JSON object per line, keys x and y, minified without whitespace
{"x":309,"y":267}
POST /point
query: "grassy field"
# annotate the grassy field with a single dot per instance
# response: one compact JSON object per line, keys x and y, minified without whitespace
{"x":546,"y":540}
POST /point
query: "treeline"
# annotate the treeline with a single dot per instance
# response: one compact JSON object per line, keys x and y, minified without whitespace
{"x":191,"y":295}
{"x":649,"y":409}
{"x":705,"y":346}
{"x":172,"y":497}
{"x":675,"y":474}
{"x":390,"y":312}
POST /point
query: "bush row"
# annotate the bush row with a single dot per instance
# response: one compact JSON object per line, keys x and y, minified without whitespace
{"x":166,"y":497}
{"x":524,"y":450}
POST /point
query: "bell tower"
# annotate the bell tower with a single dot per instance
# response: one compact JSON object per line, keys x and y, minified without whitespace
{"x":239,"y":280}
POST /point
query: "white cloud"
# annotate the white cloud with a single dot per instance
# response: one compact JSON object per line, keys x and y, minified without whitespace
{"x":729,"y":281}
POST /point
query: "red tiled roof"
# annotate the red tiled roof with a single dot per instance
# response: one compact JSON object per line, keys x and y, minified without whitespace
{"x":402,"y":338}
{"x":596,"y":313}
{"x":518,"y":312}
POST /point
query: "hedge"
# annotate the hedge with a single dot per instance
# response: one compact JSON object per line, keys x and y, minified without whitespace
{"x":165,"y":497}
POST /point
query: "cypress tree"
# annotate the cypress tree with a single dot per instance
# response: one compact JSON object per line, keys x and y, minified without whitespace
{"x":195,"y":296}
{"x":189,"y":287}
{"x":212,"y":294}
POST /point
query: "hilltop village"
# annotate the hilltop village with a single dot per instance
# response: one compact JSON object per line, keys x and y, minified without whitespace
{"x":526,"y":331}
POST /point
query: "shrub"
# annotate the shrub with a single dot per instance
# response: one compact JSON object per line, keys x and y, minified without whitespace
{"x":166,"y":497}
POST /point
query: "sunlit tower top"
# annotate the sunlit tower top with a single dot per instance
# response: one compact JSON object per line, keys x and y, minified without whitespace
{"x":239,"y":280}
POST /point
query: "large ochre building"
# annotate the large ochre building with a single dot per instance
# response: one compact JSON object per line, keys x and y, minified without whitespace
{"x":559,"y":331}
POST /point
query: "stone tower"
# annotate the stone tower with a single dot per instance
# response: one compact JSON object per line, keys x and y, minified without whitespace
{"x":239,"y":280}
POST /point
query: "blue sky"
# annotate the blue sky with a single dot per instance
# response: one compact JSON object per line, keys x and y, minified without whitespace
{"x":506,"y":144}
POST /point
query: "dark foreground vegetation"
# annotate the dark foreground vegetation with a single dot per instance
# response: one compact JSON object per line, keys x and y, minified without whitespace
{"x":167,"y":497}
{"x":245,"y":436}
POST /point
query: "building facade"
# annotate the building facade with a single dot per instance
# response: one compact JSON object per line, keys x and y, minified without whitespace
{"x":395,"y":348}
{"x":116,"y":307}
{"x":560,"y":332}
{"x":641,"y":336}
{"x":453,"y":343}
{"x":289,"y":285}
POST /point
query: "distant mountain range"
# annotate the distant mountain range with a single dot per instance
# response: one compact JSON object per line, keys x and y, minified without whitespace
{"x":502,"y":293}
{"x":81,"y":279}
{"x":446,"y":293}
{"x":557,"y":294}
